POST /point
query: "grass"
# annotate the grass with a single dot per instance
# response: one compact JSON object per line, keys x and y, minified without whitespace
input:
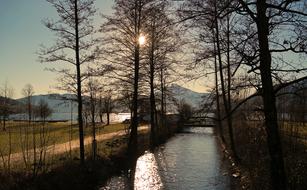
{"x":64,"y":172}
{"x":299,"y":127}
{"x":251,"y":143}
{"x":295,"y":130}
{"x":54,"y":132}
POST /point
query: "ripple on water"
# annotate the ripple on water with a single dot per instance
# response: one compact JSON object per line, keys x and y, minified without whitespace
{"x":147,"y":173}
{"x":187,"y":161}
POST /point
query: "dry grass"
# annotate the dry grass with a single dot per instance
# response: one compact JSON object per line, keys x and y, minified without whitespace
{"x":55,"y":133}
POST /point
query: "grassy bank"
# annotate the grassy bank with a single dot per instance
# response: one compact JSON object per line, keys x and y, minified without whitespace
{"x":20,"y":133}
{"x":251,"y":145}
{"x":64,"y":171}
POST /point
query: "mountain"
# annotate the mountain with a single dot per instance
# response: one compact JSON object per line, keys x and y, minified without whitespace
{"x":9,"y":101}
{"x":14,"y":105}
{"x":59,"y":103}
{"x":195,"y":99}
{"x":63,"y":107}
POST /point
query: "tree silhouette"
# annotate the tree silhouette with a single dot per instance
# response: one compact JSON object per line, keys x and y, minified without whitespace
{"x":75,"y":45}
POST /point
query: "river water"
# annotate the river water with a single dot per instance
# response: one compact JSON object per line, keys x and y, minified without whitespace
{"x":190,"y":160}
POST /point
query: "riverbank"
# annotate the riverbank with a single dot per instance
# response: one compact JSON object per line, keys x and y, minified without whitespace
{"x":68,"y":174}
{"x":240,"y":179}
{"x":191,"y":159}
{"x":20,"y":136}
{"x":253,"y":170}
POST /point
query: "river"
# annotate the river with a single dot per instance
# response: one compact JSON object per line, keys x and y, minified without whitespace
{"x":190,"y":160}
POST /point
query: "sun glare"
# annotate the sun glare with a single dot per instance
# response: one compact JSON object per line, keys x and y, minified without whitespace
{"x":142,"y":40}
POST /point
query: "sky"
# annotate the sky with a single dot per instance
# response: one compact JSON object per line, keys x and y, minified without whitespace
{"x":21,"y":33}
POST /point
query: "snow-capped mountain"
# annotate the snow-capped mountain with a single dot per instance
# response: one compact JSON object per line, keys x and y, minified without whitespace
{"x":64,"y":107}
{"x":195,"y":99}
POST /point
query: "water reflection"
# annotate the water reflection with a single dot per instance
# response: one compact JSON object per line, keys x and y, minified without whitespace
{"x":198,"y":130}
{"x":146,"y":173}
{"x":190,"y":160}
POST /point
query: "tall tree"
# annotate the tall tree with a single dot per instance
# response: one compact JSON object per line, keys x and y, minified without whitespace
{"x":207,"y":18}
{"x":265,"y":30}
{"x":93,"y":88}
{"x":28,"y":92}
{"x":267,"y":16}
{"x":74,"y":32}
{"x":163,"y":41}
{"x":43,"y":111}
{"x":226,"y":101}
{"x":6,"y":92}
{"x":124,"y":30}
{"x":108,"y":105}
{"x":217,"y":95}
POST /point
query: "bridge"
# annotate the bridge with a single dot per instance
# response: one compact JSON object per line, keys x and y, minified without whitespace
{"x":201,"y":120}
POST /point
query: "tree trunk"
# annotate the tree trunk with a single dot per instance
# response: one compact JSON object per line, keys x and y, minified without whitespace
{"x":108,"y":117}
{"x":100,"y":117}
{"x":162,"y":96}
{"x":152,"y":93}
{"x":218,"y":110}
{"x":79,"y":95}
{"x":278,"y":175}
{"x":134,"y":121}
{"x":94,"y":143}
{"x":100,"y":109}
{"x":29,"y":109}
{"x":34,"y":151}
{"x":4,"y":123}
{"x":152,"y":116}
{"x":232,"y":145}
{"x":132,"y":145}
{"x":163,"y":101}
{"x":229,"y":118}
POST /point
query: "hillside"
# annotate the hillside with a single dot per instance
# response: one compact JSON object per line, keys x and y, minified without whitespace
{"x":63,"y":107}
{"x":195,"y":99}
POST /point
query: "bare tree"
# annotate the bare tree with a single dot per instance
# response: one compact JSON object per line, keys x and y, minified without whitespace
{"x":276,"y":27}
{"x":207,"y":16}
{"x":28,"y":92}
{"x":6,"y":92}
{"x":108,"y":104}
{"x":43,"y":111}
{"x":125,"y":29}
{"x":75,"y":32}
{"x":264,"y":15}
{"x":93,"y":88}
{"x":185,"y":110}
{"x":163,"y":44}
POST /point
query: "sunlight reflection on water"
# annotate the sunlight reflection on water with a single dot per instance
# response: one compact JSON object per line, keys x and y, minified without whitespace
{"x":147,"y":174}
{"x":190,"y":160}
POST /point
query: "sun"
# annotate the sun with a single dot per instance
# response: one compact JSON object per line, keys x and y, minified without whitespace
{"x":142,"y":40}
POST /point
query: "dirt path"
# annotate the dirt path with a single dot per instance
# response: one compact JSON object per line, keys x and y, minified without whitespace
{"x":62,"y":148}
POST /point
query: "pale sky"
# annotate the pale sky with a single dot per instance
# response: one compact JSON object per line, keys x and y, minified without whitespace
{"x":21,"y":34}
